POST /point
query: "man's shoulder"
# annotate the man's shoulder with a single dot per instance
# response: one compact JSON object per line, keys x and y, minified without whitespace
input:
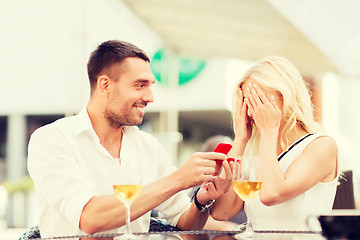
{"x":65,"y":124}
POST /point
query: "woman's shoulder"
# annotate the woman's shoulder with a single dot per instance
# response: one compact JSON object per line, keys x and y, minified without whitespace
{"x":322,"y":147}
{"x":323,"y":141}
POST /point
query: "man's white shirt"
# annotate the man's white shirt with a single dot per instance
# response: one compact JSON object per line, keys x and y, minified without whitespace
{"x":69,"y":166}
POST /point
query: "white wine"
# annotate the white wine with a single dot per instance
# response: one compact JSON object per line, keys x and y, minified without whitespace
{"x":127,"y":193}
{"x":246,"y":190}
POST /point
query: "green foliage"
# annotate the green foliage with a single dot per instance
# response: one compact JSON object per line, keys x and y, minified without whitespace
{"x":24,"y":185}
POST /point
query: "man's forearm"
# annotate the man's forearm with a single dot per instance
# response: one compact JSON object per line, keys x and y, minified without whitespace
{"x":192,"y":219}
{"x":104,"y":213}
{"x":198,"y":169}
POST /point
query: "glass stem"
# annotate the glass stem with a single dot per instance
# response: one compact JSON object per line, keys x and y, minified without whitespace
{"x":249,"y":227}
{"x":127,"y":229}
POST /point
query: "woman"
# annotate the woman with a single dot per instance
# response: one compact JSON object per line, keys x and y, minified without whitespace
{"x":273,"y":118}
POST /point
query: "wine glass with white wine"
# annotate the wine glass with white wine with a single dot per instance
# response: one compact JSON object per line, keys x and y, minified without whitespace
{"x":127,"y":193}
{"x":247,"y":184}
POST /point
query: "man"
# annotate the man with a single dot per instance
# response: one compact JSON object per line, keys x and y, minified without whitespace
{"x":75,"y":160}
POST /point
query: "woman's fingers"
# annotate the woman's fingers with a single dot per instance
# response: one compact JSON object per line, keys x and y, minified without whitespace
{"x":274,"y":103}
{"x":255,"y":95}
{"x":251,"y":98}
{"x":249,"y":105}
{"x":261,"y":95}
{"x":239,"y":102}
{"x":243,"y":110}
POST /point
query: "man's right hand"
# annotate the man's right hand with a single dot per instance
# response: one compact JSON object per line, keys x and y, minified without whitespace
{"x":199,"y":168}
{"x":217,"y":187}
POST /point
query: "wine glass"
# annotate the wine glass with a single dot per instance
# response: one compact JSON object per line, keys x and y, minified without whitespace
{"x":247,"y":184}
{"x":127,"y":193}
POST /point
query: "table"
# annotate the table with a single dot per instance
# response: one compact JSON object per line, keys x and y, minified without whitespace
{"x":202,"y":235}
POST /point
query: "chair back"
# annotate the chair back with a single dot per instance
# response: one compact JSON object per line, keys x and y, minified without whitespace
{"x":344,"y":198}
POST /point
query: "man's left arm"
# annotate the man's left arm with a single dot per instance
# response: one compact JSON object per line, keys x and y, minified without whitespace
{"x":192,"y":219}
{"x":195,"y":217}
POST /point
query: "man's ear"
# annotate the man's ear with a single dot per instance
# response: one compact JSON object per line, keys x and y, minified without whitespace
{"x":103,"y":84}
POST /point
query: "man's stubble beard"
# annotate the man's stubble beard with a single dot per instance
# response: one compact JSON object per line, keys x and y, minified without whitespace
{"x":118,"y":120}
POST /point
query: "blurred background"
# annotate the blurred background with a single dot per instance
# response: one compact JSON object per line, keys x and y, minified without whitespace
{"x":198,"y":50}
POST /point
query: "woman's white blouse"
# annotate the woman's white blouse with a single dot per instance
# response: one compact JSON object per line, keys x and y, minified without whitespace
{"x":292,"y":214}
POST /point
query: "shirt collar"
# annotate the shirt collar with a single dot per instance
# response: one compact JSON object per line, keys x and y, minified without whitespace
{"x":83,"y":122}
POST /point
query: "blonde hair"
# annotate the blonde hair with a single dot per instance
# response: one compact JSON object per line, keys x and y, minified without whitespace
{"x":279,"y":74}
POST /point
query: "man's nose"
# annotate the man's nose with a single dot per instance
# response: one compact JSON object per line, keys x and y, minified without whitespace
{"x":148,"y":96}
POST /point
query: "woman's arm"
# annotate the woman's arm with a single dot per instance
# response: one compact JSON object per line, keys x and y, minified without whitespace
{"x":317,"y":163}
{"x":227,"y":205}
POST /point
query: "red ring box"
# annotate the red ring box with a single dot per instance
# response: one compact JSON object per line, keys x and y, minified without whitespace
{"x":223,"y":148}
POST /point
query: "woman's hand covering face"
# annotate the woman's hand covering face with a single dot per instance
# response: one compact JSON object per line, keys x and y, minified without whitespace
{"x":263,"y":110}
{"x":242,"y":121}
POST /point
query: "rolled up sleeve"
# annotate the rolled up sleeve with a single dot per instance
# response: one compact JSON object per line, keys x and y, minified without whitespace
{"x":57,"y":177}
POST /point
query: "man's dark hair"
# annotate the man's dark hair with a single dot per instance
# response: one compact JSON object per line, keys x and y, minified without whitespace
{"x":109,"y":53}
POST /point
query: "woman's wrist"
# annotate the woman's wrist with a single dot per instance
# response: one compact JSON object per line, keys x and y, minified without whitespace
{"x":238,"y":146}
{"x":241,"y":138}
